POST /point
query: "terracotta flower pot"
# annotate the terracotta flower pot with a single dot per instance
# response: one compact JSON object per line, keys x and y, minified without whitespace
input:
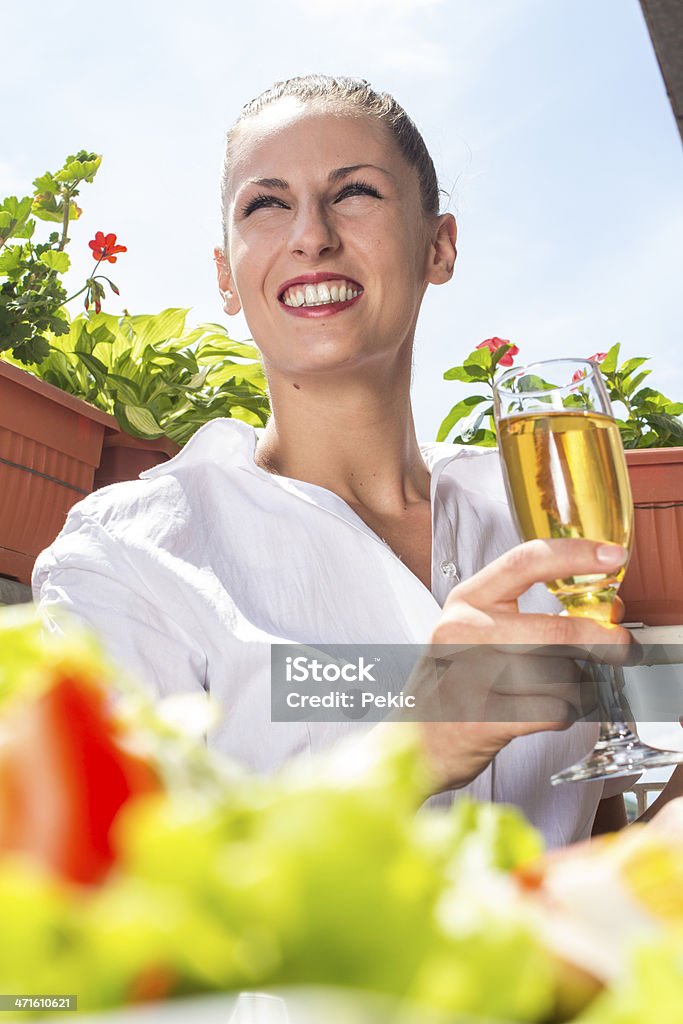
{"x":653,"y":586}
{"x":50,"y":446}
{"x":125,"y":457}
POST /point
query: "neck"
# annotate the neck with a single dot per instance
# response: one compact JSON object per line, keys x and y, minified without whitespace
{"x":356,"y":438}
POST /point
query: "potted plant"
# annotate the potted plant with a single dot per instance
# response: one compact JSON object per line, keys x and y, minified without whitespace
{"x":653,"y":438}
{"x":105,"y":397}
{"x":50,"y":443}
{"x":160,"y":380}
{"x":652,"y":435}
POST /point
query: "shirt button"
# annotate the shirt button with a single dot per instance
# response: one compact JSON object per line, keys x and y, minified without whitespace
{"x":450,"y":569}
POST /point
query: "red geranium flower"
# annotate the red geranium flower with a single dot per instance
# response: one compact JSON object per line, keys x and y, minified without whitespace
{"x":104,"y":247}
{"x":493,"y":344}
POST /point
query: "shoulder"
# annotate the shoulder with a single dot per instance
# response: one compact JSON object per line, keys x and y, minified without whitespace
{"x":171,"y":509}
{"x":167,"y":493}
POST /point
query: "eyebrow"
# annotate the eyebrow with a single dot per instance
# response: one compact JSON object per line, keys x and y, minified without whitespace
{"x":333,"y":176}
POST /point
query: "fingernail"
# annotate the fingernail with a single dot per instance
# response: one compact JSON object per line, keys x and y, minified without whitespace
{"x":611,"y":554}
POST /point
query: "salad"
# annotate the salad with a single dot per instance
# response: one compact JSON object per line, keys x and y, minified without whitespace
{"x":136,"y":864}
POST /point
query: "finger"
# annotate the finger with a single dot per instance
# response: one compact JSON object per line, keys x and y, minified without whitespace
{"x":532,"y":714}
{"x":537,"y":561}
{"x":512,"y":689}
{"x":463,"y":627}
{"x":618,"y":610}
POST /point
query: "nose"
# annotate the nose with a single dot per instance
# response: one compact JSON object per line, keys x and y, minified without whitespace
{"x":313,"y":235}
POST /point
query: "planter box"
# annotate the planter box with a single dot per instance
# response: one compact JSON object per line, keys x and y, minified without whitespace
{"x":50,"y":447}
{"x":653,"y":586}
{"x":125,"y":457}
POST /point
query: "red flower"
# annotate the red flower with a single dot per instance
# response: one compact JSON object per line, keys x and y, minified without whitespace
{"x":597,"y":358}
{"x":104,"y":247}
{"x":493,"y":344}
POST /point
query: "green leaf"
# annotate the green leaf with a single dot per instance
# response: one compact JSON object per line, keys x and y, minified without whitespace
{"x":666,"y":424}
{"x":532,"y":382}
{"x":648,"y":397}
{"x":480,"y":439}
{"x":48,"y":207}
{"x":14,"y":218}
{"x":150,"y":330}
{"x":632,"y":364}
{"x":477,"y":373}
{"x":462,"y":373}
{"x":46,"y":183}
{"x":237,"y":372}
{"x":479,"y":364}
{"x":141,"y":421}
{"x":81,"y":167}
{"x":498,"y":355}
{"x":629,"y":387}
{"x":127,"y":390}
{"x":12,"y":261}
{"x":54,"y":260}
{"x":457,"y":413}
{"x":220,"y":344}
{"x":609,"y":363}
{"x":95,"y":366}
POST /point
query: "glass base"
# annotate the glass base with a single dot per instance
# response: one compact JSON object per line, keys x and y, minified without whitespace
{"x":621,"y":755}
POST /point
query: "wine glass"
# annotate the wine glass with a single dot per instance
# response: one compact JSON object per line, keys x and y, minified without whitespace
{"x":565,"y":475}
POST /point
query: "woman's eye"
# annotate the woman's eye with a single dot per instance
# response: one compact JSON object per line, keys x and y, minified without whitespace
{"x":358,"y":188}
{"x":259,"y":202}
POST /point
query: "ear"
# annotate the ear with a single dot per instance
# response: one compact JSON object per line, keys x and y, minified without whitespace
{"x":231,"y":301}
{"x":442,"y":252}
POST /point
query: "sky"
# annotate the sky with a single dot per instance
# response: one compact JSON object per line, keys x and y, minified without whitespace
{"x":548,"y":123}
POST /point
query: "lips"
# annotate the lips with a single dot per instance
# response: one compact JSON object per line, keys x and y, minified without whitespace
{"x":311,"y":291}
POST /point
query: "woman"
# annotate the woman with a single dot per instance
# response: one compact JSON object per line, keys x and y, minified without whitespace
{"x":333,"y":525}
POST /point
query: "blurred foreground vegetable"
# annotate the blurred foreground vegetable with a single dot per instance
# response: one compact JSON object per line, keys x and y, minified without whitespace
{"x":209,"y":879}
{"x":64,"y":776}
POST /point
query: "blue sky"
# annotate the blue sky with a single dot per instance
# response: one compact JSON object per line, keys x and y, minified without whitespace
{"x":548,"y":123}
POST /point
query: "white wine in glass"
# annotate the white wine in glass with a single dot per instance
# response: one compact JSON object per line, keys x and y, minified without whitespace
{"x":566,"y":476}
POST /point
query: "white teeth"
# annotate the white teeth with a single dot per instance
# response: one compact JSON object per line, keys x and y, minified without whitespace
{"x":319,"y":295}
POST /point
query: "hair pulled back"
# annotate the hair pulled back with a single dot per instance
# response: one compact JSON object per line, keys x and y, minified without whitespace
{"x":355,"y":95}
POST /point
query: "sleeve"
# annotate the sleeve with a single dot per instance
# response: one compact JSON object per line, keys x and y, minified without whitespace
{"x":94,"y":576}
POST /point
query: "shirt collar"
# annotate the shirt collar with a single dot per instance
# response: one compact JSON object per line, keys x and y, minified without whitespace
{"x":233,"y":441}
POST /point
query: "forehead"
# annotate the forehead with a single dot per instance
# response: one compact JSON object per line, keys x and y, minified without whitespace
{"x":290,"y":138}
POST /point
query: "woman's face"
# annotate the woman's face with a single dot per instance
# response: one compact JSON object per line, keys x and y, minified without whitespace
{"x":328,"y":250}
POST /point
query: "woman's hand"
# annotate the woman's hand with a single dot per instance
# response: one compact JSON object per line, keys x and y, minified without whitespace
{"x":522,"y":679}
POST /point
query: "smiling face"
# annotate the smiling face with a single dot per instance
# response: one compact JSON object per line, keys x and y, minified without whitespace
{"x":328,"y":251}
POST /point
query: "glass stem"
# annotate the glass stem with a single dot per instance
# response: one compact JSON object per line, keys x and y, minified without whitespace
{"x":610,"y":684}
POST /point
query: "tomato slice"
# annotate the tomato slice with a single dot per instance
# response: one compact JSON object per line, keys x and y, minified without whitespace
{"x":64,"y":777}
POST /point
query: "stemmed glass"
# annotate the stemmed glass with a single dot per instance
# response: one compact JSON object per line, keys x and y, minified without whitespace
{"x":565,"y":475}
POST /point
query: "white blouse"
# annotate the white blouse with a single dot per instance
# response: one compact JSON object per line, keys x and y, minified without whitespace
{"x":189,"y":574}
